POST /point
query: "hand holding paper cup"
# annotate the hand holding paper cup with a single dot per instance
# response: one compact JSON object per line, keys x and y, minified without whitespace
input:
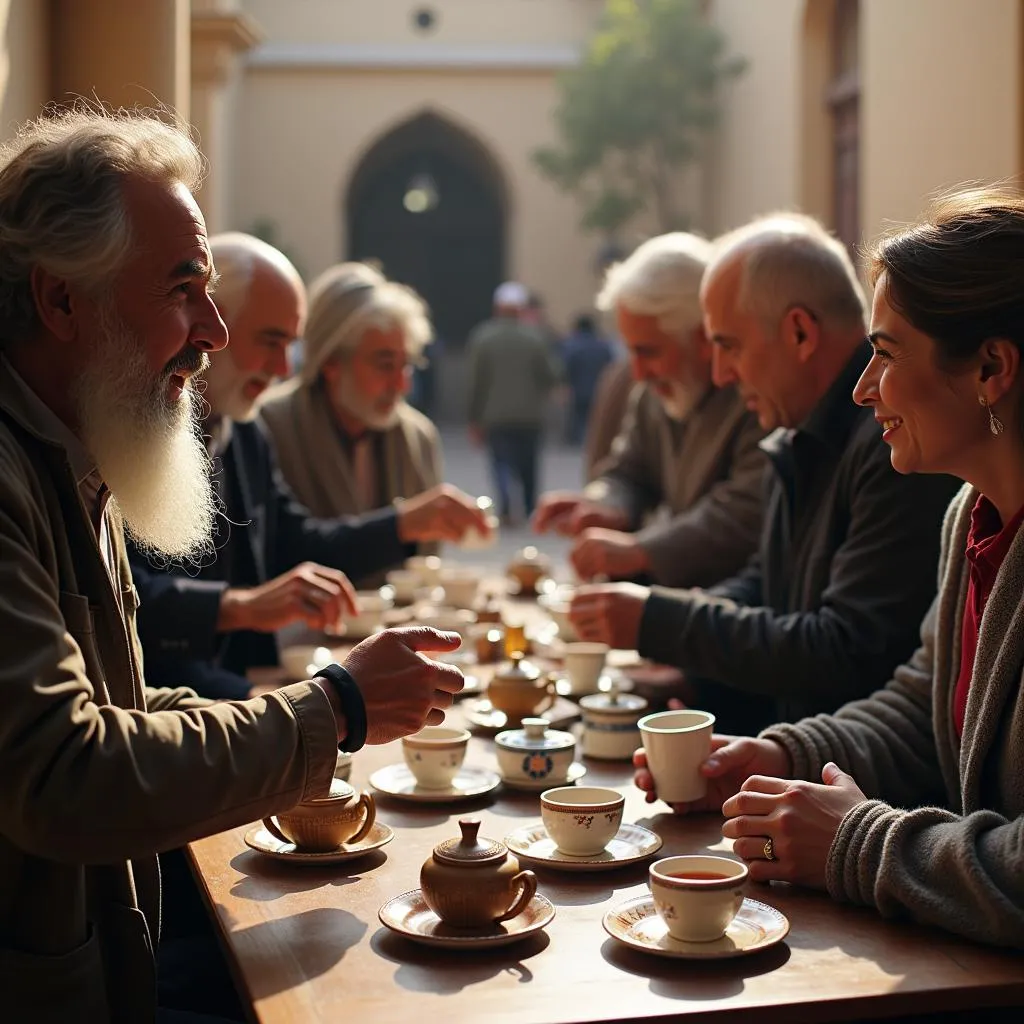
{"x":676,"y":744}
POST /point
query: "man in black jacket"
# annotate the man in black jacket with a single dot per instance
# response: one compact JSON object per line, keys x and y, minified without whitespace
{"x":206,"y":626}
{"x":833,"y":599}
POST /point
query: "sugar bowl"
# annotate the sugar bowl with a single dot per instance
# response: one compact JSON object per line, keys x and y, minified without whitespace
{"x":535,"y":754}
{"x":610,"y":729}
{"x":472,"y":882}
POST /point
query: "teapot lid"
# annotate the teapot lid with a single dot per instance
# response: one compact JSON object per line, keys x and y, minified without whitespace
{"x":535,"y":735}
{"x":340,"y":790}
{"x":469,"y":849}
{"x":613,"y":701}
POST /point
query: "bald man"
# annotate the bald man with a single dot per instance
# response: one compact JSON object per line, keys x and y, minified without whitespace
{"x":275,"y":564}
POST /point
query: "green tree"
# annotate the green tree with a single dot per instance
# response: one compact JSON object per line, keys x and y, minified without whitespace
{"x":637,"y":109}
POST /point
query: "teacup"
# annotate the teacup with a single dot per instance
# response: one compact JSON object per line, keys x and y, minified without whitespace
{"x":582,"y":820}
{"x":324,"y":824}
{"x":584,"y":663}
{"x":676,"y":744}
{"x":427,"y":567}
{"x":405,"y":584}
{"x":460,"y":586}
{"x":301,"y":661}
{"x":558,"y":609}
{"x":372,"y":605}
{"x":697,"y":897}
{"x":435,"y":754}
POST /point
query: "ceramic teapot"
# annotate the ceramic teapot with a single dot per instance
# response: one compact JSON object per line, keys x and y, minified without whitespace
{"x":471,"y":882}
{"x":520,"y":690}
{"x":325,"y":823}
{"x":527,"y":568}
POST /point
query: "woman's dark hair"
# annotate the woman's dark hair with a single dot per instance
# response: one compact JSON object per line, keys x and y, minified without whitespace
{"x":958,"y":275}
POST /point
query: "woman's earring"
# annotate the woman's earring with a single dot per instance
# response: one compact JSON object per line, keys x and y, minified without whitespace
{"x":995,"y":424}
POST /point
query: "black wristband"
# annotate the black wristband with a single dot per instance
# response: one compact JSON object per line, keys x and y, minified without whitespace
{"x":352,"y":705}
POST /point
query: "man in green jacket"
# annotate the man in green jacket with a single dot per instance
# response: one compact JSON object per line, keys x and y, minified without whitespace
{"x":105,"y":318}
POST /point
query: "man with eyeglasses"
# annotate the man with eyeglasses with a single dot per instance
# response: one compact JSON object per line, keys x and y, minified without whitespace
{"x":276,"y":565}
{"x":832,"y":600}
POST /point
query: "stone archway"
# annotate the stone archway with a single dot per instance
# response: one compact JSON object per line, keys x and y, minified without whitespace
{"x":429,"y":203}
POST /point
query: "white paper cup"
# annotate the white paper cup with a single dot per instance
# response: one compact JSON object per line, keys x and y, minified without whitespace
{"x":435,"y":755}
{"x":676,"y":744}
{"x":697,"y":897}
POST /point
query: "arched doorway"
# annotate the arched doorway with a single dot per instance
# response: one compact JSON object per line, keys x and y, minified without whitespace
{"x":428,"y":202}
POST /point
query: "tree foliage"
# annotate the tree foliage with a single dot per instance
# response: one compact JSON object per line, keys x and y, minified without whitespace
{"x":637,"y":109}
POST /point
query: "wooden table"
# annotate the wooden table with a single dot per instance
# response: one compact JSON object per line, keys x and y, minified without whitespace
{"x":306,"y":944}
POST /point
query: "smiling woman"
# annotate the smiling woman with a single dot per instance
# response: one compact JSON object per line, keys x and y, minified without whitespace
{"x":926,"y":817}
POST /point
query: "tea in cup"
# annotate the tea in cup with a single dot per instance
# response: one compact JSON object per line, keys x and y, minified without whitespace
{"x":582,"y":820}
{"x":584,"y":663}
{"x":697,"y":897}
{"x":435,"y":754}
{"x":324,"y":824}
{"x":676,"y":744}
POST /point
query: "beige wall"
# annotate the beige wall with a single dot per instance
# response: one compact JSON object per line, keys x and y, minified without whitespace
{"x":753,"y":166}
{"x":458,"y":22}
{"x":941,"y":100}
{"x":322,"y":123}
{"x":24,"y":61}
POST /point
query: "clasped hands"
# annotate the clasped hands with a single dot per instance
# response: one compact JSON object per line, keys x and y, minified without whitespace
{"x":746,"y":784}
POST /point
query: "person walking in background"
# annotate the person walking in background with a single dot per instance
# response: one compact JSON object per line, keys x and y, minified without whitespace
{"x":585,"y":355}
{"x":512,"y":370}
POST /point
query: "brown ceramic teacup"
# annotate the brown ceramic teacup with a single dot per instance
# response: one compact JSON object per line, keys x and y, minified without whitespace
{"x":324,"y":824}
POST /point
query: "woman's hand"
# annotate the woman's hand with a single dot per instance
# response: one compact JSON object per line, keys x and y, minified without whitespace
{"x":800,"y":819}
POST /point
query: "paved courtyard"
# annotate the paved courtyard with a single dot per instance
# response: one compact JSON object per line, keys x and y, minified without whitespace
{"x":466,"y":467}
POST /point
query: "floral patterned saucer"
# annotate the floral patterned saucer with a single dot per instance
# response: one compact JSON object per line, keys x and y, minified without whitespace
{"x":630,"y":845}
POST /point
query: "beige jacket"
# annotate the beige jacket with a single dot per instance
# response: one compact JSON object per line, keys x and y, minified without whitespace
{"x":318,"y":469}
{"x":101,"y":773}
{"x":941,"y":838}
{"x":693,"y":490}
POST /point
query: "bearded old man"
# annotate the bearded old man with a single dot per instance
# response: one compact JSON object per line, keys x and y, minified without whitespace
{"x":105,"y":319}
{"x":363,"y":336}
{"x":678,"y":500}
{"x":276,"y":565}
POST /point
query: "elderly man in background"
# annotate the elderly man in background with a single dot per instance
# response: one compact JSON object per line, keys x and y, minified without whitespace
{"x":362,"y":338}
{"x":106,"y":319}
{"x":275,"y":564}
{"x":512,"y":369}
{"x":688,"y":452}
{"x":845,"y":570}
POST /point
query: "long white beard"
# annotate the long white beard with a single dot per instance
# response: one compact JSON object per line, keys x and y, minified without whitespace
{"x":684,"y":398}
{"x":359,"y":406}
{"x":148,"y":447}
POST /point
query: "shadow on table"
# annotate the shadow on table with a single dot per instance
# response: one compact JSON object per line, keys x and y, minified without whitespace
{"x":423,"y":969}
{"x":564,"y":889}
{"x":266,"y":880}
{"x":694,"y":979}
{"x":316,"y":939}
{"x":401,"y":815}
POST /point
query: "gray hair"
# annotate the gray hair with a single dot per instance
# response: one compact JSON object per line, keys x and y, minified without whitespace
{"x":661,"y":279}
{"x":790,"y":260}
{"x":235,"y":255}
{"x":61,"y":201}
{"x":349,"y":299}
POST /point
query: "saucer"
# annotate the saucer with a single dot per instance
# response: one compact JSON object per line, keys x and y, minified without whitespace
{"x":636,"y":923}
{"x":396,"y":780}
{"x":409,"y":916}
{"x":260,"y":840}
{"x":482,"y":714}
{"x":576,"y":772}
{"x":630,"y":845}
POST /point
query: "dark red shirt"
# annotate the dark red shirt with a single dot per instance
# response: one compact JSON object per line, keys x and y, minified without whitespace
{"x":987,"y":544}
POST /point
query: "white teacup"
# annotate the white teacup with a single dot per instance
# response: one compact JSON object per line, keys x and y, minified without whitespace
{"x":584,"y":663}
{"x":676,"y":744}
{"x":405,"y":584}
{"x":372,"y":605}
{"x":460,"y":586}
{"x":697,"y":897}
{"x":301,"y":661}
{"x":582,"y":820}
{"x":427,"y":567}
{"x":435,"y":755}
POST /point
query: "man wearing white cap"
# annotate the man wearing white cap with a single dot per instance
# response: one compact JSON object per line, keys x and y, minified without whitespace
{"x":511,"y":372}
